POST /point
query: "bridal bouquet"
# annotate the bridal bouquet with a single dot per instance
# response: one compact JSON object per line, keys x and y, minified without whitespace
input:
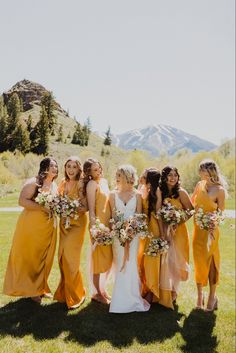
{"x":101,"y":234}
{"x":172,"y":215}
{"x":126,"y":230}
{"x":138,"y":225}
{"x":66,"y":208}
{"x":118,"y":228}
{"x":156,"y":247}
{"x":209,"y":221}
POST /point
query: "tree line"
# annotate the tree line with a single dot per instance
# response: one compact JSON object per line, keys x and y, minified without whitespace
{"x":29,"y":137}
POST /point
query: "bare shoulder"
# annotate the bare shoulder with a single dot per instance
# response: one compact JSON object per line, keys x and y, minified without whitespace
{"x":221,"y":190}
{"x":31,"y":181}
{"x":183,"y":192}
{"x":92,"y":185}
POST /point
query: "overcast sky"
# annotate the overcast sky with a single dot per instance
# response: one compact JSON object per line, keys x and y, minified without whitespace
{"x":127,"y":63}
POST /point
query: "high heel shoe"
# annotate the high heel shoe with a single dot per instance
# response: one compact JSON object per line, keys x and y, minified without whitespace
{"x":214,"y":306}
{"x":199,"y":307}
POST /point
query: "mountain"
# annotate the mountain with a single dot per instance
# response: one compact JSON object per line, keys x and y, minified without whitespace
{"x":157,"y":139}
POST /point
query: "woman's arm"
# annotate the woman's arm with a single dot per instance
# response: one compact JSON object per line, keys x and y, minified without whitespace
{"x":82,"y":198}
{"x":91,"y":200}
{"x":112,"y":203}
{"x":186,"y":202}
{"x":195,"y":192}
{"x":26,"y":195}
{"x":139,"y":203}
{"x":158,"y":206}
{"x":221,"y":199}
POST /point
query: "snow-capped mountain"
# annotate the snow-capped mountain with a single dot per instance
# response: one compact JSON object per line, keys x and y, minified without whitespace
{"x":161,"y":138}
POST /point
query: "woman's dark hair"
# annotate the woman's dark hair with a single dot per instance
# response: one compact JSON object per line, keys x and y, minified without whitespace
{"x":174,"y":192}
{"x":78,"y":163}
{"x":43,"y":171}
{"x":152,"y":177}
{"x":87,"y":170}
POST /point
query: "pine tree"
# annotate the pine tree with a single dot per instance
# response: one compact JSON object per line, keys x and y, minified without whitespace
{"x":60,"y":137}
{"x":48,"y":103}
{"x":78,"y":137}
{"x":13,"y":109}
{"x":20,"y":139}
{"x":40,"y":135}
{"x":3,"y":134}
{"x":29,"y":123}
{"x":108,"y":139}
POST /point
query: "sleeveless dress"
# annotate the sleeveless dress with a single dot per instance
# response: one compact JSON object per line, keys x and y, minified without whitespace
{"x":178,"y":254}
{"x":32,"y":253}
{"x":202,"y":256}
{"x":153,"y":268}
{"x":70,"y":289}
{"x":102,"y":254}
{"x":126,"y":295}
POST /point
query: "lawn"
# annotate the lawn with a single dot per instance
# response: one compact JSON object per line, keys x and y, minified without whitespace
{"x":28,"y":327}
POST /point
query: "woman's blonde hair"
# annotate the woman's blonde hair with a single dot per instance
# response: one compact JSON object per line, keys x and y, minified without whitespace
{"x":213,"y":170}
{"x":79,"y":165}
{"x":129,"y":172}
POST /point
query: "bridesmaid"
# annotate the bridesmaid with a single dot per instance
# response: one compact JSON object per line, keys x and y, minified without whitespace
{"x":209,"y":195}
{"x":97,"y":192}
{"x":178,"y":258}
{"x":70,"y":289}
{"x":34,"y":241}
{"x":155,"y":290}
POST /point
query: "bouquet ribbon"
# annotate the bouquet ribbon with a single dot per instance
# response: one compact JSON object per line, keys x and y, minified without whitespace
{"x":126,"y":255}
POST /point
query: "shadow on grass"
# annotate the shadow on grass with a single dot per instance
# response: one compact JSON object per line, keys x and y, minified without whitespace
{"x":89,"y":324}
{"x":197,"y":332}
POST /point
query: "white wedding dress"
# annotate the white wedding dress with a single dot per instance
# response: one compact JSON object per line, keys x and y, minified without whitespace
{"x":126,"y":296}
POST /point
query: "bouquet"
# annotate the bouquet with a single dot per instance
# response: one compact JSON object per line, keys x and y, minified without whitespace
{"x":126,"y":230}
{"x":156,"y":247}
{"x":101,"y":234}
{"x":172,"y":215}
{"x":66,"y":208}
{"x":118,"y":226}
{"x":209,"y":221}
{"x":45,"y":199}
{"x":138,"y":224}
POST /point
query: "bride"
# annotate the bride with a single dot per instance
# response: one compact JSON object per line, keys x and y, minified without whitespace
{"x":126,"y":295}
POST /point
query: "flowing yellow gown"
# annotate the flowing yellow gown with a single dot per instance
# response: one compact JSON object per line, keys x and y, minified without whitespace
{"x":102,"y":254}
{"x":202,"y":257}
{"x":181,"y":244}
{"x":152,"y":265}
{"x":70,"y":289}
{"x":31,"y":256}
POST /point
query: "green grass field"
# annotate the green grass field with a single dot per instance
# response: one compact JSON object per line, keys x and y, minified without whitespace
{"x":30,"y":328}
{"x":11,"y":200}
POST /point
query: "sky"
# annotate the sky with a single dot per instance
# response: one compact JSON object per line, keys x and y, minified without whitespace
{"x":128,"y":63}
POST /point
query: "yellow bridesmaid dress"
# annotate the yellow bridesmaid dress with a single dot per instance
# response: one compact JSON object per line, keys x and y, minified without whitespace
{"x":70,"y":289}
{"x":31,"y":256}
{"x":202,"y":256}
{"x":102,"y":254}
{"x":152,"y":265}
{"x":181,"y":243}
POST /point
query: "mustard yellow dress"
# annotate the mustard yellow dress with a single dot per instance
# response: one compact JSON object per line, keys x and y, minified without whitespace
{"x":31,"y":256}
{"x":70,"y":289}
{"x":152,"y":265}
{"x":180,"y":240}
{"x":102,"y":254}
{"x":203,"y":257}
